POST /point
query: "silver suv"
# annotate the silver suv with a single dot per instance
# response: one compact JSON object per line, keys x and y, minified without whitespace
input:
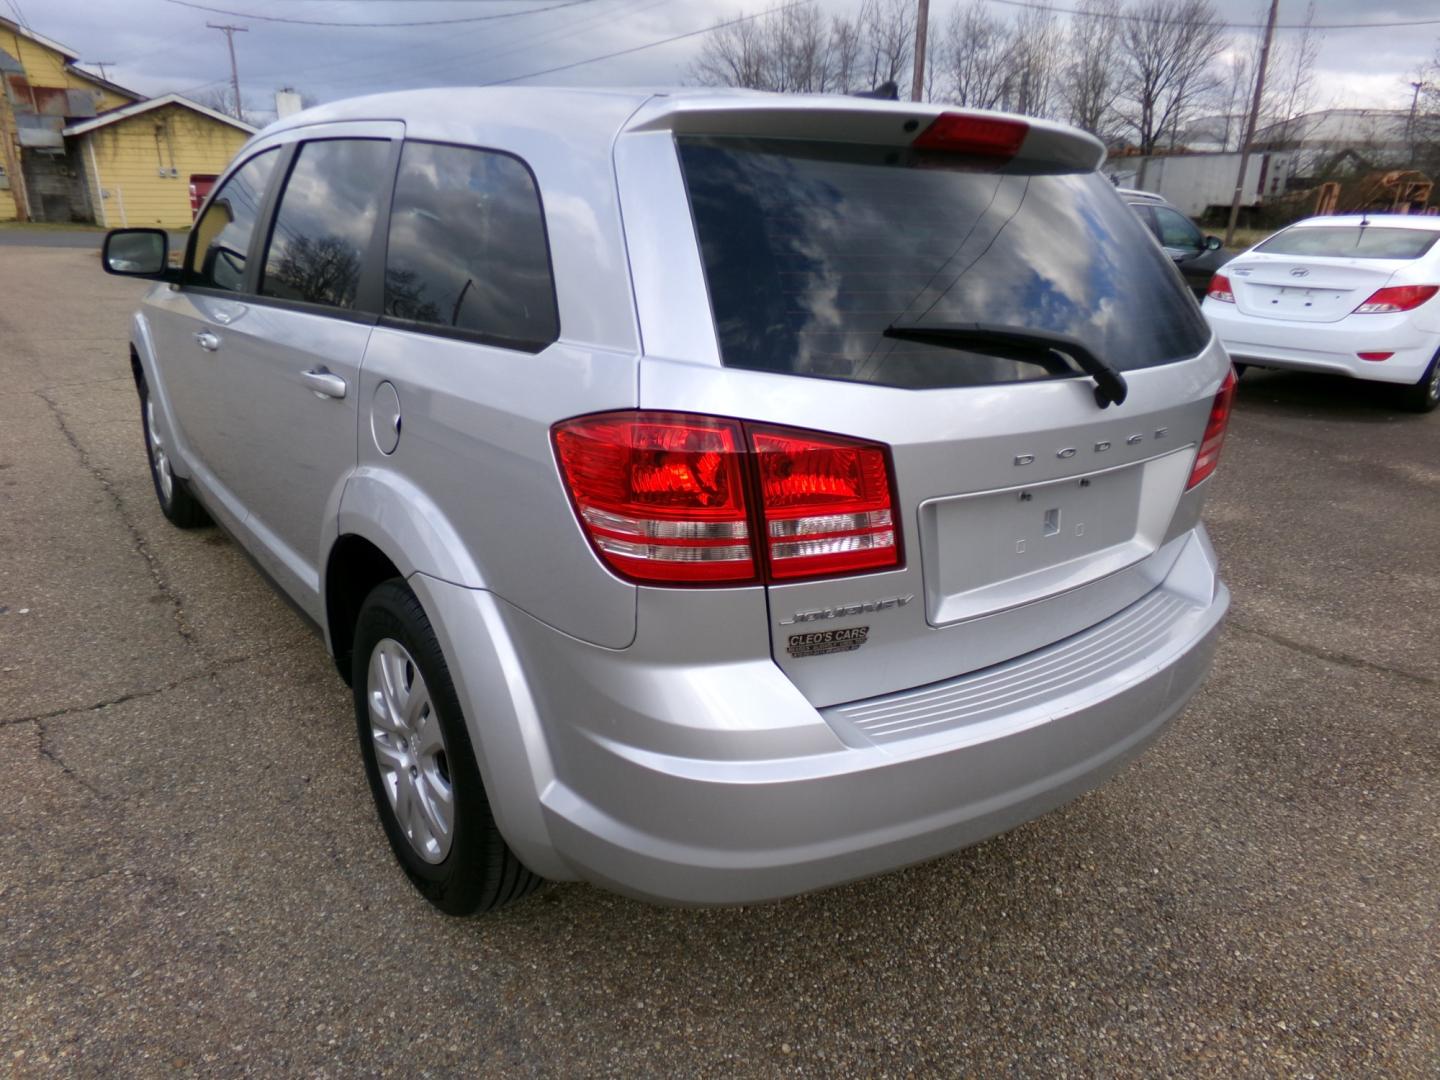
{"x":713,"y":496}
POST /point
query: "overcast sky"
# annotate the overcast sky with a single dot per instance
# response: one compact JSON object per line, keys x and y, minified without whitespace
{"x":159,"y":45}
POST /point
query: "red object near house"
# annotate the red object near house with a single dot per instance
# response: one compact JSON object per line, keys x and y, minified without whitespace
{"x":200,"y":185}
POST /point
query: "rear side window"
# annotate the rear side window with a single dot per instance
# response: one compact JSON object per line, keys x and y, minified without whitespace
{"x":812,"y":250}
{"x":326,"y":221}
{"x":1351,"y":242}
{"x":222,"y":235}
{"x":468,"y":253}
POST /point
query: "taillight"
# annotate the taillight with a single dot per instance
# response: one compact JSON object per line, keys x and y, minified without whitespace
{"x":1396,"y":298}
{"x":661,"y":495}
{"x":1374,"y":356}
{"x":987,"y":136}
{"x":1220,"y":290}
{"x":1214,"y":438}
{"x":679,"y":499}
{"x":825,"y":502}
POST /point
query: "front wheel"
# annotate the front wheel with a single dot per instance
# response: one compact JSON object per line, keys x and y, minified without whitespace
{"x":176,"y":501}
{"x":421,"y":766}
{"x":1425,"y":394}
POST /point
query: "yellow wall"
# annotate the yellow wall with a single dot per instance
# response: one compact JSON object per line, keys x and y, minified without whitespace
{"x":130,"y":154}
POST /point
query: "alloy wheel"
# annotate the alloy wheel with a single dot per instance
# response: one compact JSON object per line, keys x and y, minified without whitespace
{"x":159,"y":459}
{"x":410,"y":751}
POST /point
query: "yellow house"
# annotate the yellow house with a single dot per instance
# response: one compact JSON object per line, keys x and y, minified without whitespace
{"x":41,"y":91}
{"x":138,"y":160}
{"x":76,"y":147}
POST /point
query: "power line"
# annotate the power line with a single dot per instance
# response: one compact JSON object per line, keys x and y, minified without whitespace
{"x":1129,"y":17}
{"x":648,"y":45}
{"x":373,"y":25}
{"x":522,"y":43}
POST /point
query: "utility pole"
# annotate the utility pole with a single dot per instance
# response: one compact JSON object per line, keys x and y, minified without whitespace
{"x":230,"y":32}
{"x":101,"y":64}
{"x":1251,"y":120}
{"x":922,"y":24}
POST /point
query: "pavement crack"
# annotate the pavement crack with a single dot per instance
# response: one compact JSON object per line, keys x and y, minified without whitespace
{"x":152,"y":562}
{"x":1330,"y":656}
{"x":139,"y":695}
{"x":49,"y":753}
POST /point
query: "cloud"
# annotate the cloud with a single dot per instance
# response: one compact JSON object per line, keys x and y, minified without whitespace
{"x":157,"y":46}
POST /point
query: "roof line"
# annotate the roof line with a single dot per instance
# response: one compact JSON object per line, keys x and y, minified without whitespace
{"x":25,"y":32}
{"x":127,"y":111}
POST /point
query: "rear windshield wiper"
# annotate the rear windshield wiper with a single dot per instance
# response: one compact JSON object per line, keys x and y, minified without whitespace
{"x":1110,"y":388}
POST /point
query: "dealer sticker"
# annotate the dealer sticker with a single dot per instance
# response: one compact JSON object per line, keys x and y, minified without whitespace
{"x":820,"y":642}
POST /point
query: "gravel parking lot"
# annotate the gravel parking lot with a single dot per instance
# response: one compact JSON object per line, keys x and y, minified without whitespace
{"x":192,"y":876}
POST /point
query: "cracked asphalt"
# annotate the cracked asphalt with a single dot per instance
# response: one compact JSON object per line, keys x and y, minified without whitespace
{"x":192,"y":878}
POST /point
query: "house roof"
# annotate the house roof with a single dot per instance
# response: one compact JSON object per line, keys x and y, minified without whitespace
{"x":39,"y":39}
{"x":127,"y":111}
{"x":68,"y":56}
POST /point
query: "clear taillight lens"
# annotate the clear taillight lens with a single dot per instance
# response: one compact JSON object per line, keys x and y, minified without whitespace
{"x":1214,"y":438}
{"x":1220,"y":290}
{"x":1396,"y":298}
{"x":667,"y":498}
{"x":826,"y":503}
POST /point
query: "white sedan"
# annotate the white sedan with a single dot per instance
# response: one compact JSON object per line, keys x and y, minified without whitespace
{"x":1349,"y":295}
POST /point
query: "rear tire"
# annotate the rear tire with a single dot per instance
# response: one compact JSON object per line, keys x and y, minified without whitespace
{"x":176,"y":501}
{"x":1425,"y":394}
{"x":420,"y":763}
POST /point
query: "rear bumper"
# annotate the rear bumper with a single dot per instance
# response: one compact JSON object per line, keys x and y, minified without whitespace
{"x":1332,"y":348}
{"x":837,"y":795}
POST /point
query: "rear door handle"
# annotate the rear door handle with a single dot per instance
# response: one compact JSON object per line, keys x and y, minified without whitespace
{"x":324,"y":383}
{"x":207,"y":341}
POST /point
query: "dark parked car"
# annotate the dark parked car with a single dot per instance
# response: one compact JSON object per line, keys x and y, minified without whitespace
{"x":1197,"y":255}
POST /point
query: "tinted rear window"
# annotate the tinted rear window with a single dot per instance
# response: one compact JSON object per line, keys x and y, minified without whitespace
{"x":812,"y":250}
{"x":468,"y":252}
{"x":1351,"y":242}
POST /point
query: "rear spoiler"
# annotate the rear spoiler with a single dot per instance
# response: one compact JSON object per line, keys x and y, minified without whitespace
{"x":868,"y":121}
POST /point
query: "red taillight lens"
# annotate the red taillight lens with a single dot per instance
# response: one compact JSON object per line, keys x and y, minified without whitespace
{"x":1220,"y":290}
{"x":825,"y":502}
{"x":1396,"y":298}
{"x":661,"y":495}
{"x":663,"y":498}
{"x":1374,"y":355}
{"x":988,"y":136}
{"x":1214,"y":438}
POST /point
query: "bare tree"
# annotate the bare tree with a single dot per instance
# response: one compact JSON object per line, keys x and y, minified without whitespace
{"x":1035,"y":46}
{"x":735,"y":55}
{"x":887,"y":29}
{"x":790,"y":50}
{"x":974,"y":57}
{"x":1170,"y":50}
{"x":845,"y":55}
{"x":1090,"y":81}
{"x":1232,"y":95}
{"x":217,"y":98}
{"x":1290,"y":92}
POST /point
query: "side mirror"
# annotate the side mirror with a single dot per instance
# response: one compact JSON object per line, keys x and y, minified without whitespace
{"x":1213,"y":243}
{"x":143,"y":253}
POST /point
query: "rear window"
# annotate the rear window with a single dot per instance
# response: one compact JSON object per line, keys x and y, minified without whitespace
{"x":812,"y":250}
{"x":1351,"y":242}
